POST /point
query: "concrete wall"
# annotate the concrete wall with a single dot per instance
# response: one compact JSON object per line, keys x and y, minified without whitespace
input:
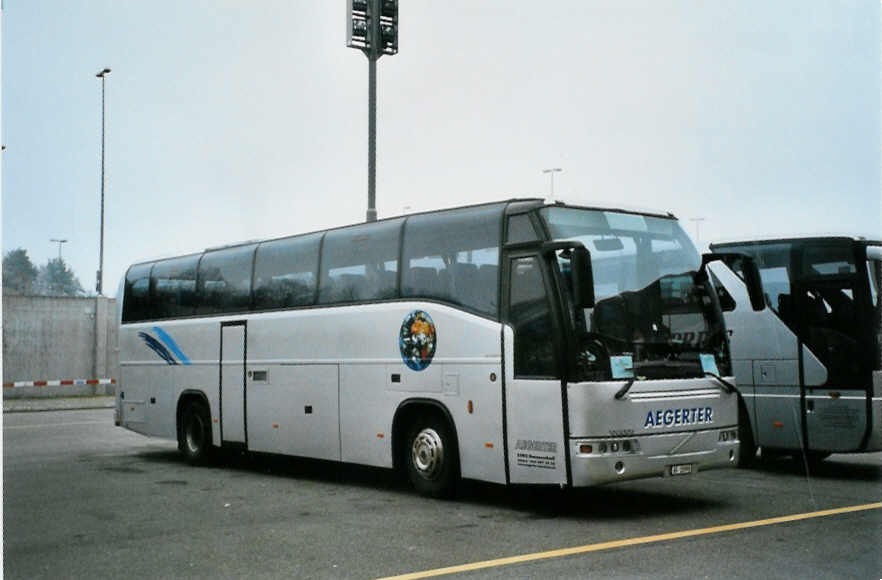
{"x":59,"y":338}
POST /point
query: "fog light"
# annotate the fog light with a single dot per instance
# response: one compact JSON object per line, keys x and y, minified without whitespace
{"x":620,"y":467}
{"x":728,"y":435}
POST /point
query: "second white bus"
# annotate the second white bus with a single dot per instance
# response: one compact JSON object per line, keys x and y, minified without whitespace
{"x":809,"y":367}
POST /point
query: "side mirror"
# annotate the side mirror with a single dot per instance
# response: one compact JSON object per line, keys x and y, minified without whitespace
{"x":749,"y":273}
{"x":582,"y":274}
{"x":583,"y":278}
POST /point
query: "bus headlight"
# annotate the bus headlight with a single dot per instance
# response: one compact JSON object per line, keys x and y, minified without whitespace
{"x":615,"y":447}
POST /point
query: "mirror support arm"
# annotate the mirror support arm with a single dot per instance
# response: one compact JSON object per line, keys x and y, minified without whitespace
{"x":751,"y":275}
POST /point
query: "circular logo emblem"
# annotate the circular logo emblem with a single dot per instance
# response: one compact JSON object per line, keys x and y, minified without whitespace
{"x":416,"y":340}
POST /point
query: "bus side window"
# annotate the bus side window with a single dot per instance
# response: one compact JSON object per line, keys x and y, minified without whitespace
{"x":773,"y":261}
{"x":136,"y":299}
{"x":173,"y":286}
{"x":461,"y":248}
{"x":224,"y":280}
{"x":358,"y":263}
{"x":530,"y":315}
{"x":285,"y":272}
{"x":520,"y":229}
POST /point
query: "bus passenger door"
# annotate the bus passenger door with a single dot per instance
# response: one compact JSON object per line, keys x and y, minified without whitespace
{"x":535,"y":437}
{"x":232,"y":382}
{"x":835,"y":401}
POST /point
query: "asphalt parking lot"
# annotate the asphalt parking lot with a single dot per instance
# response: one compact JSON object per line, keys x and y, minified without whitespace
{"x":85,"y":499}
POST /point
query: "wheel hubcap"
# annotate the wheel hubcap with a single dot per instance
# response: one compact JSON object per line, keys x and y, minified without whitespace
{"x":427,"y":454}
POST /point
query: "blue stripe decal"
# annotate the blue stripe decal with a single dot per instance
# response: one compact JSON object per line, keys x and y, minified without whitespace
{"x":171,"y":344}
{"x":157,"y":347}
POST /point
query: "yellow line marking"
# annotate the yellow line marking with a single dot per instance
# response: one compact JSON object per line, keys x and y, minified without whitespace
{"x":629,"y":542}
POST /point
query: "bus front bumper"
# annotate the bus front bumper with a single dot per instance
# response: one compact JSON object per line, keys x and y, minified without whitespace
{"x":597,"y":460}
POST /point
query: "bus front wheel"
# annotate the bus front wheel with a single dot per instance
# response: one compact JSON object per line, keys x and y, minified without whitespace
{"x":194,"y":439}
{"x":431,"y":457}
{"x":814,"y":458}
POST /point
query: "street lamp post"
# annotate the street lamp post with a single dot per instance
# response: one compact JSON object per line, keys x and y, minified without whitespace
{"x":697,"y":221}
{"x":99,"y":276}
{"x":551,"y":172}
{"x":59,"y":242}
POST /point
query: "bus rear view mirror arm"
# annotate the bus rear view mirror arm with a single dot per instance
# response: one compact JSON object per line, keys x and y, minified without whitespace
{"x":748,"y":270}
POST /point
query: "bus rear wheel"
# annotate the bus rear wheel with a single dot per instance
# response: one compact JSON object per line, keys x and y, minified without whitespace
{"x":431,"y":457}
{"x":194,"y":438}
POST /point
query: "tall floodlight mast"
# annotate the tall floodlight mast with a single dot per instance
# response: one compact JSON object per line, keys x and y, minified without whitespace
{"x":372,"y":27}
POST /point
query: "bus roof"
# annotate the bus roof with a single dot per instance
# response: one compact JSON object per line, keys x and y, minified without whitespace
{"x":606,"y":205}
{"x":517,"y":204}
{"x":792,"y":238}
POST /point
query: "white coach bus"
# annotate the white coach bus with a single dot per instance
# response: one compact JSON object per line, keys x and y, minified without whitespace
{"x":476,"y":342}
{"x":808,"y":367}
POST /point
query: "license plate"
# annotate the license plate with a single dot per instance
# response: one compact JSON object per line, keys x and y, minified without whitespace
{"x":681,"y":469}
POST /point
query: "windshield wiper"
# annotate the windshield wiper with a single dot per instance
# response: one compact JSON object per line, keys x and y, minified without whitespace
{"x":652,"y":364}
{"x":727,"y":386}
{"x":624,"y":390}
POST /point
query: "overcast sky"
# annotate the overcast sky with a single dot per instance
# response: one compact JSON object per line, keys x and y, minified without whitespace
{"x":231,"y":120}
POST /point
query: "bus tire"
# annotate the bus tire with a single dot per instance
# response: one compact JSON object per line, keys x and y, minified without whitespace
{"x":431,"y":457}
{"x":772,"y":453}
{"x":814,"y":458}
{"x":194,"y":438}
{"x":746,"y":446}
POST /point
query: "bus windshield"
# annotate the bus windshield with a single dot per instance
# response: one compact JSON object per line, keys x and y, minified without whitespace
{"x":655,"y":314}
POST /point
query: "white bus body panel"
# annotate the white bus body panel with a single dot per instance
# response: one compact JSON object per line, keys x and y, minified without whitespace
{"x":671,"y":423}
{"x":659,"y":425}
{"x":319,"y":384}
{"x":339,"y":362}
{"x":295,"y":410}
